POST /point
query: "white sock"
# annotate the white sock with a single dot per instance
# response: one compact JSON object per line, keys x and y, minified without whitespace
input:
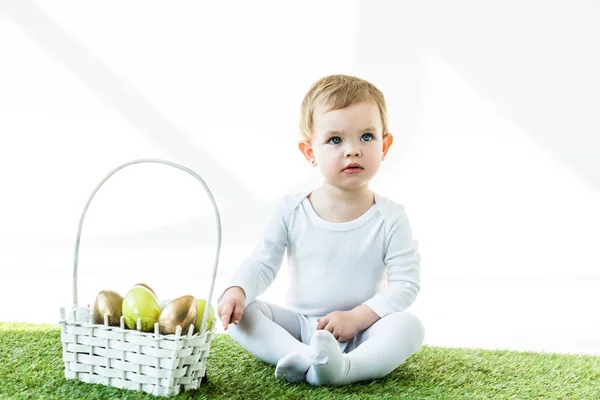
{"x":293,"y":367}
{"x":390,"y":342}
{"x":329,"y":366}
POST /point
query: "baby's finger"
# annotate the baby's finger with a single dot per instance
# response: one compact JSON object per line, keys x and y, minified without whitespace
{"x":238,"y":311}
{"x":339,"y":335}
{"x":342,"y":338}
{"x":329,"y":327}
{"x":226,"y":314}
{"x":221,"y":308}
{"x":322,"y":322}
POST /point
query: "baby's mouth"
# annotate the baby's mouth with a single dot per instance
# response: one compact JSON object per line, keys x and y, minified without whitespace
{"x":352,"y":169}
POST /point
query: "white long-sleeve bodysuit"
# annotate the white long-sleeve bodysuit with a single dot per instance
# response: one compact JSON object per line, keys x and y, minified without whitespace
{"x":371,"y":260}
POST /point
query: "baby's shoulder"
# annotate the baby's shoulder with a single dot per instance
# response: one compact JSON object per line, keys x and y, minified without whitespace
{"x":390,"y":210}
{"x":290,"y":202}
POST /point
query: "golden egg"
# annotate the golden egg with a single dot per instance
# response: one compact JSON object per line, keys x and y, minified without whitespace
{"x":180,"y":311}
{"x":147,"y":287}
{"x":108,"y":302}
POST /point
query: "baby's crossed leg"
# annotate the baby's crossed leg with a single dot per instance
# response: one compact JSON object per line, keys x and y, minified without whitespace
{"x":372,"y":354}
{"x":274,"y":335}
{"x":271,"y":333}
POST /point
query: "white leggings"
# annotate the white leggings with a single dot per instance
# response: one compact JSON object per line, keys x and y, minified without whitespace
{"x":271,"y":332}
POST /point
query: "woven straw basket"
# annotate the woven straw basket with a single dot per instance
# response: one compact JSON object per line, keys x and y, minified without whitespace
{"x":162,"y":365}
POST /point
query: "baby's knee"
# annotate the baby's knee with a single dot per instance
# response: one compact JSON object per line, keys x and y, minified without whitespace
{"x":255,"y":308}
{"x":250,"y":317}
{"x":407,"y":321}
{"x":411,"y":319}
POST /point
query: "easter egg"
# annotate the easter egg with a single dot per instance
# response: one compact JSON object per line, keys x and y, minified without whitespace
{"x":200,"y":304}
{"x":109,"y":303}
{"x":141,"y":303}
{"x":180,"y":311}
{"x":147,"y":287}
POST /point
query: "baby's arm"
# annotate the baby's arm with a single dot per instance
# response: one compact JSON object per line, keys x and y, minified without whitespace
{"x":259,"y":270}
{"x":402,"y":267}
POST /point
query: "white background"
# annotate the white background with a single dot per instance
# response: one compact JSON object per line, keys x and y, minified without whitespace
{"x":494,"y":108}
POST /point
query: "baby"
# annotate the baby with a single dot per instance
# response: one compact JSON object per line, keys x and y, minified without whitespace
{"x":353,"y":264}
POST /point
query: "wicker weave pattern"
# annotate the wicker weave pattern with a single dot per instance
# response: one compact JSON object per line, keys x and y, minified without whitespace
{"x":162,"y":365}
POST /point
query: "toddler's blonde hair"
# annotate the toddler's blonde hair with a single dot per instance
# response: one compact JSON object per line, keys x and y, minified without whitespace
{"x":335,"y":92}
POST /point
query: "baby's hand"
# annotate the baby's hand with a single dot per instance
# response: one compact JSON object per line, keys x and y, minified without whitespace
{"x":231,"y":307}
{"x":343,"y":325}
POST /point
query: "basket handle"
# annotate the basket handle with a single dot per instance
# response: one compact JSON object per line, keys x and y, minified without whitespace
{"x":181,"y":167}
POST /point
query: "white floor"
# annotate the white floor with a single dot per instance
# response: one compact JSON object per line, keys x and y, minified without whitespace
{"x":534,"y":314}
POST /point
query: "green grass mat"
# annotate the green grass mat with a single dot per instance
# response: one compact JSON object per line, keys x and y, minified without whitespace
{"x":31,"y":368}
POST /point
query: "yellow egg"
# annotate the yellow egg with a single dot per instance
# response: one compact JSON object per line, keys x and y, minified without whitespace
{"x":141,"y":303}
{"x":180,"y":311}
{"x":200,"y":304}
{"x":108,"y":302}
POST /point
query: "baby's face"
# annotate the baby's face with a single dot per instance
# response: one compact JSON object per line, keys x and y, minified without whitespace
{"x":346,"y":136}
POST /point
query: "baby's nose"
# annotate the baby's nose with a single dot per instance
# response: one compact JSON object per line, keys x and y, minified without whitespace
{"x":353,"y":153}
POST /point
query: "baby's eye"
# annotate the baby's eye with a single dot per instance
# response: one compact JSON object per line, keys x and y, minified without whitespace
{"x":367,"y":137}
{"x":335,"y":140}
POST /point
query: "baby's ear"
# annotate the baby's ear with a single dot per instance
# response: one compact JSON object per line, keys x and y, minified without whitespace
{"x":387,"y":143}
{"x":306,"y":150}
